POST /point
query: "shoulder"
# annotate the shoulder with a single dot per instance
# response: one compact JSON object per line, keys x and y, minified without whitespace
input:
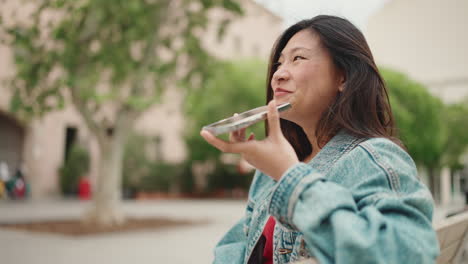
{"x":382,"y":158}
{"x":388,"y":154}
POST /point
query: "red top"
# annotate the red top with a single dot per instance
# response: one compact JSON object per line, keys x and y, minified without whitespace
{"x":268,"y":233}
{"x":84,"y":189}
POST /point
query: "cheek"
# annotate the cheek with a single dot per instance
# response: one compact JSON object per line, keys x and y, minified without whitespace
{"x":313,"y":98}
{"x":314,"y":89}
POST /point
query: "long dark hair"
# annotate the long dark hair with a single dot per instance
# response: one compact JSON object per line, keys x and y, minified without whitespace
{"x":362,"y":108}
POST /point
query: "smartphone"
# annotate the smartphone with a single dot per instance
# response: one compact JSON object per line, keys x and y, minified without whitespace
{"x":243,"y":120}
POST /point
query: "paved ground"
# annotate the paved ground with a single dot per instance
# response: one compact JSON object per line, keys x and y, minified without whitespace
{"x":191,"y":244}
{"x":173,"y":245}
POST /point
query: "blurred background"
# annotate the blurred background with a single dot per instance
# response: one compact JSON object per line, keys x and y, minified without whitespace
{"x":101,"y":104}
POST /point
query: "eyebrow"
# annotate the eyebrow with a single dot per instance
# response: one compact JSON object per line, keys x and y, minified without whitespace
{"x":294,"y":49}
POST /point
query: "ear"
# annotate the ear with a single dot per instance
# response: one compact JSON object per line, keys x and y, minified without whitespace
{"x":341,"y":87}
{"x":342,"y":82}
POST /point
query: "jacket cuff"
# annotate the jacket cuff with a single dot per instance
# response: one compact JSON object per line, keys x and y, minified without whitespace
{"x":287,"y":191}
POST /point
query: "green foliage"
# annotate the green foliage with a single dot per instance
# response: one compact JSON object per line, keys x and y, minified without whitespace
{"x":232,"y":87}
{"x":132,"y":46}
{"x":111,"y":59}
{"x":76,"y":166}
{"x":167,"y":177}
{"x":142,"y":174}
{"x":158,"y":178}
{"x":456,"y":119}
{"x":227,"y":177}
{"x":418,"y":117}
{"x":135,"y":163}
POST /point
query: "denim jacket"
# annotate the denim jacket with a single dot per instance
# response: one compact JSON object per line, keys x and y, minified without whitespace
{"x":357,"y":201}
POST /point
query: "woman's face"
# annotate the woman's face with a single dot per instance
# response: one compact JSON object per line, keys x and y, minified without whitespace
{"x":306,"y":77}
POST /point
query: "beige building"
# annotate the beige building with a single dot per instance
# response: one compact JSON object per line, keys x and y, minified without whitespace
{"x":41,"y":143}
{"x":428,"y":40}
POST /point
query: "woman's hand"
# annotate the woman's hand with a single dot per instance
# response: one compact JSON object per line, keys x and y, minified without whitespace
{"x":273,"y":155}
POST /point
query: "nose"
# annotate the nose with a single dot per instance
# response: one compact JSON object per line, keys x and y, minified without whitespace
{"x":280,"y":75}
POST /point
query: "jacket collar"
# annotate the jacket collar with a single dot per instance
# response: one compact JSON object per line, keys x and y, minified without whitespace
{"x":340,"y":144}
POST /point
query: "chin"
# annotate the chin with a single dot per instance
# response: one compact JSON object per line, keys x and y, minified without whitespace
{"x":293,"y":116}
{"x":288,"y":115}
{"x":280,"y":101}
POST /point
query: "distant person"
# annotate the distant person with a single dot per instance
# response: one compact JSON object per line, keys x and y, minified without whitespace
{"x":4,"y":171}
{"x":20,"y":188}
{"x":333,"y":184}
{"x":4,"y":179}
{"x":84,"y":188}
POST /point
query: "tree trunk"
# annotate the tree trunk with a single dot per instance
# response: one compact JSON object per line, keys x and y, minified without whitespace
{"x":106,"y":209}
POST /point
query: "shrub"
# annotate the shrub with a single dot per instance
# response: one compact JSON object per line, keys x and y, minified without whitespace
{"x":227,"y":177}
{"x":76,"y":166}
{"x":136,"y":164}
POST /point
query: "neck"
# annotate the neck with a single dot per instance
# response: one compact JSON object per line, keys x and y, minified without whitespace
{"x":310,"y":132}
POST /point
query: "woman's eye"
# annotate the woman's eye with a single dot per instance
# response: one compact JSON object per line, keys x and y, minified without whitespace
{"x":298,"y":58}
{"x":277,"y":64}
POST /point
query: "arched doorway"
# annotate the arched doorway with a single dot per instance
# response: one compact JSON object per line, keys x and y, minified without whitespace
{"x":11,"y":142}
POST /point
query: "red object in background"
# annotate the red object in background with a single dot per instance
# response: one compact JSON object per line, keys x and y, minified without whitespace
{"x":84,"y":189}
{"x":20,"y":189}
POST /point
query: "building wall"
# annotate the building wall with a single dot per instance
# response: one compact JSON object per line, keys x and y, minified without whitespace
{"x":426,"y":39}
{"x":44,"y":140}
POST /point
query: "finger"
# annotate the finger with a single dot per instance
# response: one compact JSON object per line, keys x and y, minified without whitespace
{"x":273,"y":119}
{"x":232,"y":136}
{"x":241,"y":133}
{"x":238,"y":135}
{"x":235,"y":135}
{"x":222,"y":145}
{"x":214,"y":141}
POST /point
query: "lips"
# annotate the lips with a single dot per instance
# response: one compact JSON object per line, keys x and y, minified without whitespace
{"x":280,"y":92}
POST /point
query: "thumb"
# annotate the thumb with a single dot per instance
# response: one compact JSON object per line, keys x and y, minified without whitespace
{"x":273,"y":119}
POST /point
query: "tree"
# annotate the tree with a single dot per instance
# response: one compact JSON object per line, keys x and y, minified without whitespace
{"x":419,"y":120}
{"x":455,"y":118}
{"x":112,"y":60}
{"x":232,"y":87}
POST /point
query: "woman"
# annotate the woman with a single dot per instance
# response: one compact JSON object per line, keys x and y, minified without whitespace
{"x":333,"y":184}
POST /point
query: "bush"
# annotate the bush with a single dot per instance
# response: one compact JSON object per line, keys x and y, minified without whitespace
{"x":235,"y":86}
{"x":184,"y":180}
{"x":76,"y":166}
{"x":165,"y":177}
{"x":158,"y":178}
{"x":135,"y":163}
{"x":142,"y":174}
{"x":227,"y":177}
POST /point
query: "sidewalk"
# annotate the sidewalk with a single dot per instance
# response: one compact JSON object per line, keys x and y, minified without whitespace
{"x":188,"y":244}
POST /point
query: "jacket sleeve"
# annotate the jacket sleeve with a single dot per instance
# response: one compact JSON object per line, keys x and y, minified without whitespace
{"x":383,"y":215}
{"x":231,"y":248}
